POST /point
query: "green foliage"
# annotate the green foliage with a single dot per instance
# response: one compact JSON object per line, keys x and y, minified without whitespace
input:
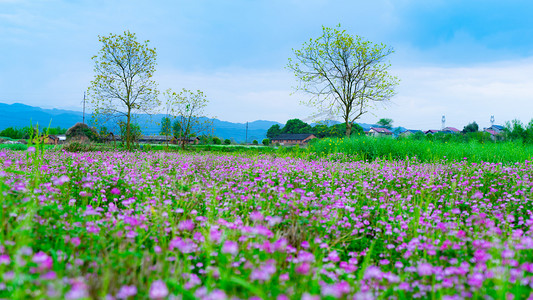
{"x":216,"y":141}
{"x":344,"y":74}
{"x":123,"y":85}
{"x":471,"y":127}
{"x":78,"y":147}
{"x":385,"y":123}
{"x":188,"y":110}
{"x":17,"y":133}
{"x":295,"y":126}
{"x":475,"y":147}
{"x":255,"y":142}
{"x":135,"y":132}
{"x":266,"y":142}
{"x":166,"y":126}
{"x":227,"y":142}
{"x":273,"y":131}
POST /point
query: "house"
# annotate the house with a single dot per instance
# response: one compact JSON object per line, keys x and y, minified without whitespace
{"x":496,"y":128}
{"x":49,"y":140}
{"x":431,"y":131}
{"x":378,"y":131}
{"x":293,"y":138}
{"x":409,"y":132}
{"x":190,"y":141}
{"x":450,"y":130}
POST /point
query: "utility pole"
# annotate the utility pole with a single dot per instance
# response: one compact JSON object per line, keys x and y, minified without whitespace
{"x":443,"y":122}
{"x":246,"y":139}
{"x":83,"y":107}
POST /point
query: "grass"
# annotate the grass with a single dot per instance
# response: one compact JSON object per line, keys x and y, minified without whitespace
{"x":370,"y":148}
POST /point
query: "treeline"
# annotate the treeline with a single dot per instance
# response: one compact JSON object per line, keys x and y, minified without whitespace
{"x":18,"y":133}
{"x":295,"y":126}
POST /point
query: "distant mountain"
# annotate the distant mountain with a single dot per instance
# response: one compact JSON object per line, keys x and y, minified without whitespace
{"x":20,"y":115}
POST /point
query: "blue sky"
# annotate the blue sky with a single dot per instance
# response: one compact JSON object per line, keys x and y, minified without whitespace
{"x":464,"y":59}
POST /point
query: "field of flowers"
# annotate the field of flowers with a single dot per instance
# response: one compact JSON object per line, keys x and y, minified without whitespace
{"x":118,"y":225}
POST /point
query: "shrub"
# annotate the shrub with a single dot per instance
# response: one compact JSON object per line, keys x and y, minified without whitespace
{"x":78,"y":147}
{"x":255,"y":142}
{"x":217,"y":141}
{"x":266,"y":142}
{"x":227,"y":142}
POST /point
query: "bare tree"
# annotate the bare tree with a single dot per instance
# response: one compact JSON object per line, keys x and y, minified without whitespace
{"x":123,"y":83}
{"x":345,"y":74}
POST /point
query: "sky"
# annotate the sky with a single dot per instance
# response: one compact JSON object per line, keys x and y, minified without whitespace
{"x":465,"y":59}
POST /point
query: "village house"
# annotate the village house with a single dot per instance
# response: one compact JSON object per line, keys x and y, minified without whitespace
{"x":497,"y":129}
{"x":378,"y":131}
{"x":409,"y":132}
{"x":431,"y":131}
{"x":293,"y":138}
{"x":189,"y":141}
{"x":450,"y":130}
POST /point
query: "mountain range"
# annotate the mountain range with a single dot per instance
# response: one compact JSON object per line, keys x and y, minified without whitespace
{"x":21,"y":115}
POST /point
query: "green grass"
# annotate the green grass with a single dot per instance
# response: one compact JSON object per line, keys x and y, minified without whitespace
{"x":370,"y":148}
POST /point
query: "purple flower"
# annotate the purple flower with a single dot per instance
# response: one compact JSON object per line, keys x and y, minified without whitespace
{"x":303,"y":268}
{"x":230,"y":247}
{"x":425,"y":269}
{"x":127,"y":291}
{"x":61,"y":180}
{"x":186,"y":225}
{"x":115,"y":191}
{"x":158,"y":290}
{"x":4,"y":259}
{"x":256,"y":216}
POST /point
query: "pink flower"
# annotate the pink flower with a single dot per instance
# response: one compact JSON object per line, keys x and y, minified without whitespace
{"x":303,"y":268}
{"x":127,"y":291}
{"x":4,"y":259}
{"x":158,"y":290}
{"x":61,"y":180}
{"x":256,"y":216}
{"x":115,"y":191}
{"x":43,"y":260}
{"x":187,"y":225}
{"x":75,"y":241}
{"x":230,"y":247}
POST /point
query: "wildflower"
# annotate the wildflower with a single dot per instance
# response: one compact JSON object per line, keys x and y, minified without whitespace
{"x":127,"y":291}
{"x":115,"y":191}
{"x":303,"y":268}
{"x":230,"y":247}
{"x":256,"y":216}
{"x":4,"y":259}
{"x":158,"y":290}
{"x":75,"y":241}
{"x":186,"y":225}
{"x":61,"y":180}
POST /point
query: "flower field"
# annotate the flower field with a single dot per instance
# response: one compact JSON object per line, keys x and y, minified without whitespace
{"x":118,"y":225}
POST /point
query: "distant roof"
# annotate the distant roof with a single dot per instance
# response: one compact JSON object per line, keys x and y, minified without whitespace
{"x":500,"y":127}
{"x":292,"y":136}
{"x":380,"y":130}
{"x":451,"y":129}
{"x":431,"y":131}
{"x":491,"y":131}
{"x":412,"y":130}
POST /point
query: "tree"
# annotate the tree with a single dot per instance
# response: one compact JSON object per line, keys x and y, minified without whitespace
{"x":266,"y":142}
{"x":166,"y":127}
{"x":471,"y":127}
{"x":345,"y":74}
{"x":187,"y":108}
{"x":385,"y":123}
{"x":296,"y":126}
{"x":123,"y":83}
{"x":273,"y":131}
{"x":227,"y":142}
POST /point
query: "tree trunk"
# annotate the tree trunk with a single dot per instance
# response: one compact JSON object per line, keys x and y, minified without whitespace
{"x":348,"y":128}
{"x":128,"y":130}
